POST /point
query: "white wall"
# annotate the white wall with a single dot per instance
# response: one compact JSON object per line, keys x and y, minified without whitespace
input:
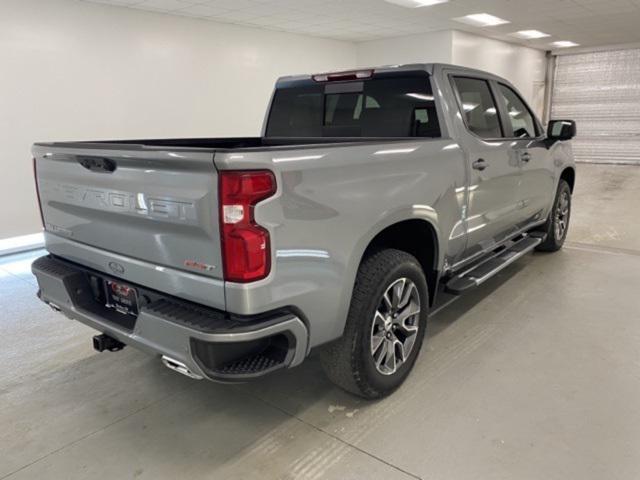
{"x":74,"y":70}
{"x":524,"y":67}
{"x":436,"y":47}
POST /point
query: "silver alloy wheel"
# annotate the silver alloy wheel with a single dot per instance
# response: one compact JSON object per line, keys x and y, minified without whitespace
{"x":562,"y":215}
{"x":395,"y":326}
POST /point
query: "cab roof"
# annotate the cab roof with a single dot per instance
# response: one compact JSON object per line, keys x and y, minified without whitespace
{"x":346,"y":75}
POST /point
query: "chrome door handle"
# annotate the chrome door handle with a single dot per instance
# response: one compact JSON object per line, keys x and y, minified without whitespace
{"x":525,"y":157}
{"x":479,"y":164}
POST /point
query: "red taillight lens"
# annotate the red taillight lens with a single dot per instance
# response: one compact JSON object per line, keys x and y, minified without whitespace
{"x":245,"y":244}
{"x":35,"y":177}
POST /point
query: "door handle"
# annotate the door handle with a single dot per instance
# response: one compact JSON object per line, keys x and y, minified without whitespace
{"x":525,"y":157}
{"x":479,"y":164}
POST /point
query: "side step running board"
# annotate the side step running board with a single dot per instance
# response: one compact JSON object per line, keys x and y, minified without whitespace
{"x":489,"y":266}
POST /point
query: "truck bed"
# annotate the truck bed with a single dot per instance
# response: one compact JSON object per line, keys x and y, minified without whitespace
{"x":221,"y":143}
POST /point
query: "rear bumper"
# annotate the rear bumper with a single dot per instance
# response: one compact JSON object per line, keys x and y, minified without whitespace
{"x":209,"y":343}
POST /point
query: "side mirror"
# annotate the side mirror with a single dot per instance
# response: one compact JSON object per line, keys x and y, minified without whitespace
{"x":561,"y":130}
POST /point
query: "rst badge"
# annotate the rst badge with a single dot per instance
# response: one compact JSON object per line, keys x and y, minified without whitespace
{"x":204,"y":267}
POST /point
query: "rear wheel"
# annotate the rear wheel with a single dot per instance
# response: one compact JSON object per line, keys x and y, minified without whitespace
{"x":557,"y":224}
{"x":385,"y":326}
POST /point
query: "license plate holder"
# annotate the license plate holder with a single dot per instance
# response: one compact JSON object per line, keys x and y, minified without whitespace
{"x":121,"y":297}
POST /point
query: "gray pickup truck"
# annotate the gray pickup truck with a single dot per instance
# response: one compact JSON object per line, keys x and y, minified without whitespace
{"x":372,"y":198}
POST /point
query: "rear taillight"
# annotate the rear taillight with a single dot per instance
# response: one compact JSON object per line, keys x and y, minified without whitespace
{"x":35,"y":177}
{"x":245,"y":244}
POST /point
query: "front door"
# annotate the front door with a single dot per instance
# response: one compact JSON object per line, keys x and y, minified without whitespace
{"x":535,"y":188}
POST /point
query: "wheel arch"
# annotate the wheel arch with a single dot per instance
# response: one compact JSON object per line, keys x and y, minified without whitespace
{"x":569,"y":175}
{"x":416,"y":236}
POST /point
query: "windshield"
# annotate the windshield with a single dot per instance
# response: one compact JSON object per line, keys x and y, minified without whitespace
{"x":380,"y":107}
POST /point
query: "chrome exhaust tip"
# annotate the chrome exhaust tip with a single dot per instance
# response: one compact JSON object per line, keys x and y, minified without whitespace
{"x":54,"y":307}
{"x":179,"y":367}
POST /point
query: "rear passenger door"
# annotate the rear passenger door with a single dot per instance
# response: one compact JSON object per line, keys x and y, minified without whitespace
{"x":493,"y":167}
{"x":535,"y":189}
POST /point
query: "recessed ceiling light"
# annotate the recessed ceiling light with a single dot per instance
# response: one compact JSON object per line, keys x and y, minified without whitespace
{"x":481,"y":20}
{"x":416,"y":3}
{"x":530,"y":34}
{"x":565,"y":44}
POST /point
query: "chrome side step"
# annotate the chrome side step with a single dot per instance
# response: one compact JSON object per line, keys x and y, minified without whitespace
{"x":486,"y":268}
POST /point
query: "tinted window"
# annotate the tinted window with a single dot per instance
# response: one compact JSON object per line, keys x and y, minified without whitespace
{"x":296,"y":110}
{"x":383,"y":107}
{"x":520,"y":117}
{"x":478,"y":107}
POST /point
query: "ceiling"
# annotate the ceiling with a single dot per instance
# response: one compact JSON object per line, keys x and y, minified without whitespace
{"x":587,"y":22}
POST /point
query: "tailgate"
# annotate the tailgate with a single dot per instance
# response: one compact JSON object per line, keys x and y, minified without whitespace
{"x":149,"y":205}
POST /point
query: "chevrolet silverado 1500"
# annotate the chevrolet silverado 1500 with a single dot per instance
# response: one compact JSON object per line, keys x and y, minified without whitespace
{"x":372,"y":198}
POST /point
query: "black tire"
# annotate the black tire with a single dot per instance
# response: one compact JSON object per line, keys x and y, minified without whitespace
{"x":557,"y":224}
{"x":349,"y":361}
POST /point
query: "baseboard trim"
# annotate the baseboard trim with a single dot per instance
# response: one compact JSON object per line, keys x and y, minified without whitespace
{"x":22,"y":243}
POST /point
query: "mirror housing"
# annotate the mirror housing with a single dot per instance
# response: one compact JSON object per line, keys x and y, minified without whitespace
{"x":561,"y":130}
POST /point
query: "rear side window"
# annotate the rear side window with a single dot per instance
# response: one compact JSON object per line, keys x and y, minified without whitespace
{"x":383,"y":107}
{"x":478,"y":107}
{"x":520,"y":116}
